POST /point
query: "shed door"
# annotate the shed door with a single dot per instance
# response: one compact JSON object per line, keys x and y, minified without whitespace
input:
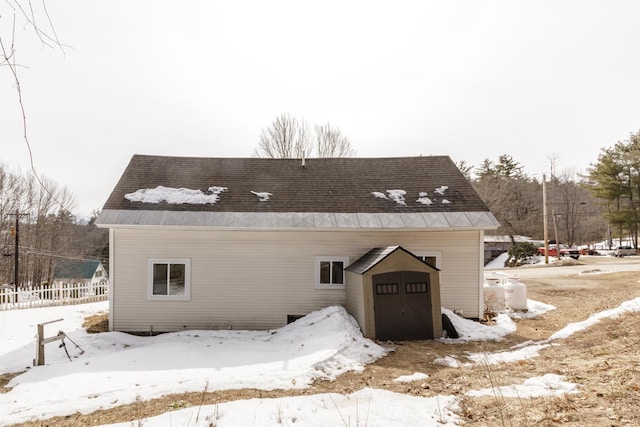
{"x":402,"y":306}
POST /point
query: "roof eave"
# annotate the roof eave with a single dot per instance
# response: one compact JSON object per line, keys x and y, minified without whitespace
{"x":434,"y":221}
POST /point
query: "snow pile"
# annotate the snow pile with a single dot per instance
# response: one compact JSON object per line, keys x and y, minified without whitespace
{"x":398,"y":196}
{"x":470,"y":330}
{"x":498,"y":262}
{"x":632,"y":306}
{"x":534,"y":309}
{"x":424,"y":199}
{"x":18,"y":329}
{"x":449,"y":361}
{"x":413,"y":377}
{"x":440,"y":190}
{"x":117,"y":368}
{"x":176,"y":196}
{"x":546,"y":385}
{"x":524,"y":351}
{"x":530,"y":349}
{"x":263,"y":196}
{"x":366,"y":407}
{"x":394,"y":195}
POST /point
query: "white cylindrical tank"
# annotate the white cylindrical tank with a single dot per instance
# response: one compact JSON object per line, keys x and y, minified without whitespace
{"x":494,"y":300}
{"x":515,"y":294}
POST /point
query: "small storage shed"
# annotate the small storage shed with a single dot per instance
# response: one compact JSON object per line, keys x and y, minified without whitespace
{"x":394,"y":295}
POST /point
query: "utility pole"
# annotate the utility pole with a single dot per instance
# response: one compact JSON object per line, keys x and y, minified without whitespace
{"x":544,"y":220}
{"x":16,"y":260}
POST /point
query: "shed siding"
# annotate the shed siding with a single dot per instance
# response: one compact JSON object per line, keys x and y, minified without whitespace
{"x":355,"y":298}
{"x":254,"y":279}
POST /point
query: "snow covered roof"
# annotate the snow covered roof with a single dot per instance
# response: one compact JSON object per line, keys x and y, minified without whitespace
{"x":393,"y":192}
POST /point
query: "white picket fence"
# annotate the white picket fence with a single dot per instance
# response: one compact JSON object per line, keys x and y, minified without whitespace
{"x":52,"y":295}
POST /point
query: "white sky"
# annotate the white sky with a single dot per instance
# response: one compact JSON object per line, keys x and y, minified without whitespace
{"x":468,"y":79}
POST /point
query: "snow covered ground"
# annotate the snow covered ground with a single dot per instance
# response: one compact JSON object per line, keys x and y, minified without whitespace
{"x":585,"y":265}
{"x":112,"y":369}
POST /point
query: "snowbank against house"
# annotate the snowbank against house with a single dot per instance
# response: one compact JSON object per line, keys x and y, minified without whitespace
{"x":117,"y":368}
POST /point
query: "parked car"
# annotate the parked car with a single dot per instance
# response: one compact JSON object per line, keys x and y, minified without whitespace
{"x":589,"y":251}
{"x":564,"y":251}
{"x":621,"y":251}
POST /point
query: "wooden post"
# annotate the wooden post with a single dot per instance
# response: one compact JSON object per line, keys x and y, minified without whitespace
{"x":39,"y":360}
{"x":40,"y":346}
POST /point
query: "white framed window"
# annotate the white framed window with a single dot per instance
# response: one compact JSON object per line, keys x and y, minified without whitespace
{"x":433,"y":258}
{"x":169,"y":279}
{"x":330,"y":272}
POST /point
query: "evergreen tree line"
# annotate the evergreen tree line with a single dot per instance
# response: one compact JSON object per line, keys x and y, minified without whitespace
{"x":47,"y":230}
{"x":615,"y":180}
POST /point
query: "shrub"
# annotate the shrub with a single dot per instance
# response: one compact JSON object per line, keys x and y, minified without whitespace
{"x":519,"y":253}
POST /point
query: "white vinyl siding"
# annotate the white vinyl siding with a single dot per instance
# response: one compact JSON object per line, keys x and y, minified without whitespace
{"x":254,"y":279}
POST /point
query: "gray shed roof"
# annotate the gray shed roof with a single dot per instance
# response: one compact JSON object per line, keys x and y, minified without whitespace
{"x":367,"y":261}
{"x":321,"y":193}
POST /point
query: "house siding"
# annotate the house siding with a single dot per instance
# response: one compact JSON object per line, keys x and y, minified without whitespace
{"x":254,"y":279}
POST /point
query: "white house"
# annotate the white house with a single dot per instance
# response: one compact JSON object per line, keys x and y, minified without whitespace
{"x":89,"y":273}
{"x":249,"y":243}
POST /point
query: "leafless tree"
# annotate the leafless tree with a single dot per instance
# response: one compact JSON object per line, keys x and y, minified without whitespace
{"x":330,"y":142}
{"x":28,"y":15}
{"x":285,"y":138}
{"x":289,"y":138}
{"x":577,"y":213}
{"x":516,"y":203}
{"x":48,"y":229}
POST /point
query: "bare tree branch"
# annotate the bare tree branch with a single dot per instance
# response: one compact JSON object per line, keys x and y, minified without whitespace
{"x":49,"y":40}
{"x":9,"y":59}
{"x":330,"y":142}
{"x":288,"y":137}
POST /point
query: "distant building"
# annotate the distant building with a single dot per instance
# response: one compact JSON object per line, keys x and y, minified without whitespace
{"x":496,"y":245}
{"x":84,"y":272}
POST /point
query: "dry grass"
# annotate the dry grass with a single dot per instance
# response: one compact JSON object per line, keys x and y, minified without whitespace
{"x":603,"y":360}
{"x":96,"y":323}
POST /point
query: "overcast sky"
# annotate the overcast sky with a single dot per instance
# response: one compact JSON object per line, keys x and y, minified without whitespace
{"x":468,"y":79}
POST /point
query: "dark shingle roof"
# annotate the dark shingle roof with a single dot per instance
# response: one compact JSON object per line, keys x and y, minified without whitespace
{"x":338,"y":185}
{"x":76,"y":269}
